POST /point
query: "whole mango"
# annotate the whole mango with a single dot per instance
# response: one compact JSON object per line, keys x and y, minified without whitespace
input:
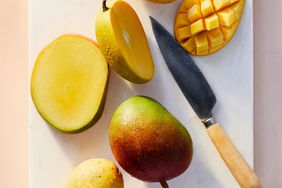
{"x":149,"y":142}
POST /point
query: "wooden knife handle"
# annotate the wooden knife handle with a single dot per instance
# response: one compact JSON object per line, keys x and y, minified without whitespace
{"x":237,"y":165}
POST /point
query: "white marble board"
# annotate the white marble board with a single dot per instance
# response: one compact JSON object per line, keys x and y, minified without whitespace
{"x":230,"y":73}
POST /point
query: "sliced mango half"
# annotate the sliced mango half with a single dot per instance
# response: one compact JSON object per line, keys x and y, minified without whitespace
{"x":68,"y":83}
{"x":123,"y":42}
{"x":205,"y":26}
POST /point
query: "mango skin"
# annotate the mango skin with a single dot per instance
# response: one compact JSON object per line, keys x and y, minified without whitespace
{"x":162,"y":1}
{"x":148,"y":142}
{"x":95,"y":173}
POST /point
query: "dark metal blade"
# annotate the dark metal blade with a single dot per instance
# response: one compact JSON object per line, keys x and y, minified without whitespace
{"x":188,"y":76}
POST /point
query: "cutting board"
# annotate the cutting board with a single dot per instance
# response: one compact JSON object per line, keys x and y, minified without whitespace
{"x":230,"y":73}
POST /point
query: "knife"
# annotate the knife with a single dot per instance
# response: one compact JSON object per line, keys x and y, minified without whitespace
{"x":199,"y":94}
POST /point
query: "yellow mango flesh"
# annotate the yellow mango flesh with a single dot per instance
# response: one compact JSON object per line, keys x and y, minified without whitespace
{"x":122,"y":40}
{"x":203,"y":27}
{"x":68,"y":83}
{"x":194,"y":13}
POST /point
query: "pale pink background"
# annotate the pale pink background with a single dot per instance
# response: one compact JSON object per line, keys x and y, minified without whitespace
{"x":14,"y":93}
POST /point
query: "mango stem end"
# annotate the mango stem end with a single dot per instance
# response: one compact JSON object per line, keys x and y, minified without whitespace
{"x":105,"y":8}
{"x":164,"y":184}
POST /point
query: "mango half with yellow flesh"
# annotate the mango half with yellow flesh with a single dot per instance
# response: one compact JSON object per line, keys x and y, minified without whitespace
{"x":205,"y":26}
{"x":95,"y":173}
{"x":122,"y":40}
{"x":68,"y":83}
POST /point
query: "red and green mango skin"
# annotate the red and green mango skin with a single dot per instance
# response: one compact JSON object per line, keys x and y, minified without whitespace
{"x":148,"y":142}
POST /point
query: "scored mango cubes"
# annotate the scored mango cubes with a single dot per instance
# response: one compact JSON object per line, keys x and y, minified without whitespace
{"x":181,"y":21}
{"x":203,"y":27}
{"x":237,"y":10}
{"x":184,"y":33}
{"x":190,"y":44}
{"x":197,"y":27}
{"x":226,"y":17}
{"x":201,"y":42}
{"x":194,"y":13}
{"x":220,"y":4}
{"x":215,"y":38}
{"x":212,"y":22}
{"x":207,"y":8}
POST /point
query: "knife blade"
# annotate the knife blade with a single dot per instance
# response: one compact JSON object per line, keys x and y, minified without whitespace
{"x":199,"y":94}
{"x":187,"y":75}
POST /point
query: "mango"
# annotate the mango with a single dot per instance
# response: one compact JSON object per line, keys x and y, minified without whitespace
{"x":211,"y":22}
{"x":95,"y":173}
{"x":194,"y":13}
{"x":207,"y":8}
{"x":149,"y":142}
{"x":218,"y":18}
{"x":184,"y":33}
{"x":69,"y":82}
{"x":123,"y":42}
{"x":201,"y":41}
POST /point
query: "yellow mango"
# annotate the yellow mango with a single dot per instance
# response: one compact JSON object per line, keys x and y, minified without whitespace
{"x":237,"y":10}
{"x":181,"y":20}
{"x":203,"y":27}
{"x":202,"y":52}
{"x":194,"y":13}
{"x":227,"y":31}
{"x":184,"y":33}
{"x":226,"y":17}
{"x":95,"y":173}
{"x":207,"y":8}
{"x":190,"y":44}
{"x":215,"y":38}
{"x":123,"y":42}
{"x":220,"y":4}
{"x":69,"y":83}
{"x":212,"y":22}
{"x":201,"y":41}
{"x":197,"y":27}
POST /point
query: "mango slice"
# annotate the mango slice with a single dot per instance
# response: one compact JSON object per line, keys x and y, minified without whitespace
{"x":122,"y":40}
{"x":68,"y":83}
{"x":203,"y":27}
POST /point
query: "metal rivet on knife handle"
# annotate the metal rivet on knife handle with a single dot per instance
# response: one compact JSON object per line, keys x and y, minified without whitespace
{"x":209,"y":122}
